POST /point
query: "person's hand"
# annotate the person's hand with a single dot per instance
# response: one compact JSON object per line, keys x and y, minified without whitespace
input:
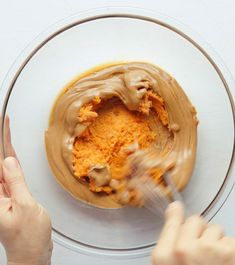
{"x":25,"y":227}
{"x":192,"y":241}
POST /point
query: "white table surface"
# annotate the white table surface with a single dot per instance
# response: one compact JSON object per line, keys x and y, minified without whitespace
{"x":21,"y":21}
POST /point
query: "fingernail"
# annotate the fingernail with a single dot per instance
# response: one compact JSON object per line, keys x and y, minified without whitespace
{"x":11,"y":163}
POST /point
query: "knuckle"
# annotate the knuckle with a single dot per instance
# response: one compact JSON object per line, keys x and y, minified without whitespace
{"x":186,"y":251}
{"x":182,"y":250}
{"x":43,"y":216}
{"x":229,"y":241}
{"x":216,"y":227}
{"x":161,"y":256}
{"x":207,"y":246}
{"x":26,"y":203}
{"x":14,"y":180}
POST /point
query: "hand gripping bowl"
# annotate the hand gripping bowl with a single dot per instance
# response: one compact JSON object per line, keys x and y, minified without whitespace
{"x":109,"y":35}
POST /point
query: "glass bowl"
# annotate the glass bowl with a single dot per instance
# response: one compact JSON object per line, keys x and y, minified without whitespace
{"x":96,"y":37}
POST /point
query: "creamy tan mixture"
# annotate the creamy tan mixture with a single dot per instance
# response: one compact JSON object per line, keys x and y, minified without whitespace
{"x":107,"y":116}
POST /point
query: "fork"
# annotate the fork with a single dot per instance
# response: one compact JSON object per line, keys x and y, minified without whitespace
{"x":154,"y":198}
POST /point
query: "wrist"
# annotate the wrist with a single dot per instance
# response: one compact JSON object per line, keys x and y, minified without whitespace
{"x":34,"y":261}
{"x":30,"y":262}
{"x":42,"y":257}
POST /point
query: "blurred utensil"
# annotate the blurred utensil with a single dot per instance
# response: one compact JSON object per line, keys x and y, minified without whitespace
{"x":155,"y":199}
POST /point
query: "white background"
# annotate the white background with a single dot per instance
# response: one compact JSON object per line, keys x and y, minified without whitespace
{"x":21,"y":21}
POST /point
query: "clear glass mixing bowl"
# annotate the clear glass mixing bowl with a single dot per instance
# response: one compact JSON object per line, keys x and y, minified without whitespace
{"x":108,"y":35}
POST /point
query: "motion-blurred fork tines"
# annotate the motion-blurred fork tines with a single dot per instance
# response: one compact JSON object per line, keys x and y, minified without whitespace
{"x":154,"y":198}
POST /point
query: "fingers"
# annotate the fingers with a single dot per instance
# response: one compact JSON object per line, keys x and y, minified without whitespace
{"x":1,"y":173}
{"x":171,"y":229}
{"x":228,"y":241}
{"x":227,"y":249}
{"x":192,"y":229}
{"x":164,"y":250}
{"x":14,"y":179}
{"x":1,"y":137}
{"x":8,"y":147}
{"x":213,"y":232}
{"x":3,"y":189}
{"x":2,"y":192}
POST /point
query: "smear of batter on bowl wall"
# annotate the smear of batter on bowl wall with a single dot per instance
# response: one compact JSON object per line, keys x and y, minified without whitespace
{"x":109,"y":114}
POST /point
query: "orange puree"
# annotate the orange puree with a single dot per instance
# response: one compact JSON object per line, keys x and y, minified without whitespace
{"x":112,"y":129}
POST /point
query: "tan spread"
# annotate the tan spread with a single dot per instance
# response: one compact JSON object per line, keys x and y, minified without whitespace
{"x":87,"y":138}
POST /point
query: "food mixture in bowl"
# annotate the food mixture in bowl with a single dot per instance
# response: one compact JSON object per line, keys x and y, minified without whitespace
{"x":110,"y":114}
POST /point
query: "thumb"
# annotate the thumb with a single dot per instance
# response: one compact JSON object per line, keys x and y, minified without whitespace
{"x":9,"y":149}
{"x":14,"y":179}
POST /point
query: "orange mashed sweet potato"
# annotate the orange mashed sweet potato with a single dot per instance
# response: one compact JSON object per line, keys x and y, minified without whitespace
{"x":112,"y":129}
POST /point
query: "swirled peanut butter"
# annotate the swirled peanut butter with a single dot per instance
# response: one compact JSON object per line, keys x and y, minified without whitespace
{"x":108,"y":115}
